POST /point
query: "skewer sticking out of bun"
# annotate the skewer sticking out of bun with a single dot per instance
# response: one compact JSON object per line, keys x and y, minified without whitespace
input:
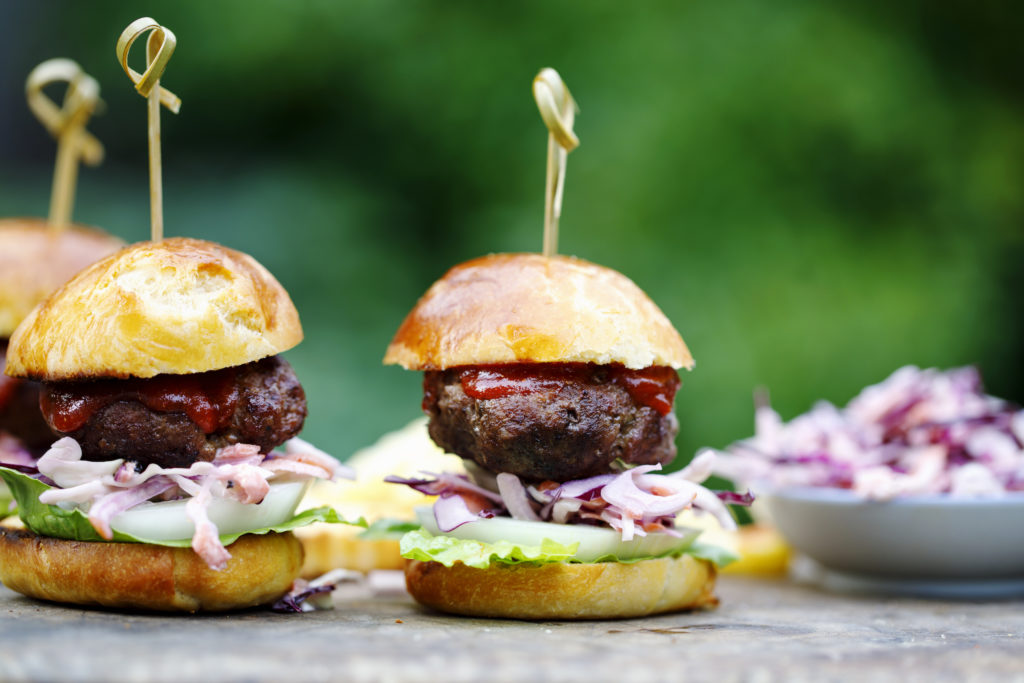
{"x":37,"y":256}
{"x":160,"y":368}
{"x":554,"y":379}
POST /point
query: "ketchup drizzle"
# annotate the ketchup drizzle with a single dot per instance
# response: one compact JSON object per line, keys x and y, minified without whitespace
{"x":208,"y":398}
{"x":654,"y":387}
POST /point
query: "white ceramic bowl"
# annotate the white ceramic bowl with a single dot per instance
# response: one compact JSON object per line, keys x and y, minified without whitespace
{"x":927,"y":537}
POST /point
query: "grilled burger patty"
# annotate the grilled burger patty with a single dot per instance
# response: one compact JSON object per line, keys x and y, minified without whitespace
{"x":563,"y":430}
{"x":191,"y":416}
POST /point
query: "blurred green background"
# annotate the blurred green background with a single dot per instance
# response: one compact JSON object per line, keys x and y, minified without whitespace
{"x":815,"y":193}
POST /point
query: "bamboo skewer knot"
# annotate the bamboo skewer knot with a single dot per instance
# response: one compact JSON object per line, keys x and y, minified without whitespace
{"x":66,"y":123}
{"x":558,"y":110}
{"x":159,"y":48}
{"x":81,"y":101}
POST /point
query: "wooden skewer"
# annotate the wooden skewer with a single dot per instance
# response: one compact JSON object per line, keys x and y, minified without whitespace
{"x":558,"y":109}
{"x":67,"y":124}
{"x":159,"y":48}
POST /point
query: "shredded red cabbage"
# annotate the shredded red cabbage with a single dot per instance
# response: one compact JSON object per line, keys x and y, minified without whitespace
{"x":25,"y":469}
{"x":445,"y":482}
{"x":635,"y":502}
{"x":110,"y":506}
{"x":306,"y":596}
{"x":584,"y":489}
{"x":919,"y":432}
{"x":516,"y":500}
{"x":451,"y":512}
{"x":240,"y":472}
{"x":733,"y":498}
{"x":294,"y":601}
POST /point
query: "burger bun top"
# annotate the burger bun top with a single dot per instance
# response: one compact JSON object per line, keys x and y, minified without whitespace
{"x":177,"y":306}
{"x":510,"y":308}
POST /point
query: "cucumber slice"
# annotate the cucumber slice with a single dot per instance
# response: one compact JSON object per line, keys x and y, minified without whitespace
{"x":594,"y":542}
{"x":167,"y":521}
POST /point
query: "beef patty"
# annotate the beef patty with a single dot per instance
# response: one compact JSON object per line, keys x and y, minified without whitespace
{"x":261,"y":403}
{"x":558,"y":431}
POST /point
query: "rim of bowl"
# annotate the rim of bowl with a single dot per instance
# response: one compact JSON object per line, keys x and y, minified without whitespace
{"x":833,"y":496}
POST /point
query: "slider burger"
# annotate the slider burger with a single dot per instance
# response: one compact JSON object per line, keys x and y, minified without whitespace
{"x":160,"y":372}
{"x":34,"y":261}
{"x":554,"y":379}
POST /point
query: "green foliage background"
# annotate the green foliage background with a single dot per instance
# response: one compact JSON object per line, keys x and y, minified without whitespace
{"x":815,"y":193}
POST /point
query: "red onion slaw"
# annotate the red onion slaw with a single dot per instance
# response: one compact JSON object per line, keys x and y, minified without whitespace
{"x":634,"y":502}
{"x":239,"y":472}
{"x":919,"y":432}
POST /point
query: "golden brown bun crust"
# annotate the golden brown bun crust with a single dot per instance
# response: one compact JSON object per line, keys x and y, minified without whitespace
{"x":34,"y":261}
{"x":148,"y":577}
{"x":508,"y":308}
{"x":605,"y":590}
{"x":173,"y":307}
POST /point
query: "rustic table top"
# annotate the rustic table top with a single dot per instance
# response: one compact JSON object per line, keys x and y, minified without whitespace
{"x":764,"y":630}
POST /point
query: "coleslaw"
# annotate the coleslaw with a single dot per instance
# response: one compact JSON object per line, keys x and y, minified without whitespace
{"x":69,"y":497}
{"x":918,"y":432}
{"x":634,"y":502}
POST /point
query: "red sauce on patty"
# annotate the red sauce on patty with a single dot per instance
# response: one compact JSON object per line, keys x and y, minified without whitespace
{"x":208,"y":398}
{"x":654,"y":387}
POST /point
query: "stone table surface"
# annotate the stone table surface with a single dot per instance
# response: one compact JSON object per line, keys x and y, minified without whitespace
{"x":764,"y":630}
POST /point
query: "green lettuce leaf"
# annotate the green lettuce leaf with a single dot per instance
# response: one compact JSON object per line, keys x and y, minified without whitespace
{"x":73,"y":524}
{"x":422,"y":545}
{"x":388,"y":530}
{"x":715,"y":554}
{"x":6,"y":507}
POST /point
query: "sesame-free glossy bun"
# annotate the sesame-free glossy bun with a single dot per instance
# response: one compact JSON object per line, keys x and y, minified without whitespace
{"x":508,"y":308}
{"x":602,"y":590}
{"x":35,"y":260}
{"x":148,"y":577}
{"x":177,"y":306}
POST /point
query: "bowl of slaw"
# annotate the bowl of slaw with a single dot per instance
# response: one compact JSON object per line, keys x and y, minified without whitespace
{"x":920,"y":476}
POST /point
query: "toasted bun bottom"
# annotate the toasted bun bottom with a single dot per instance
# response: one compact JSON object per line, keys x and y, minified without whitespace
{"x":147,"y":577}
{"x":605,"y":590}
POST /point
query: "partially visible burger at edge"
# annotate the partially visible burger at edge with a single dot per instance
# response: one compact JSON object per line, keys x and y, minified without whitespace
{"x":554,"y":379}
{"x":160,"y":371}
{"x":34,"y":261}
